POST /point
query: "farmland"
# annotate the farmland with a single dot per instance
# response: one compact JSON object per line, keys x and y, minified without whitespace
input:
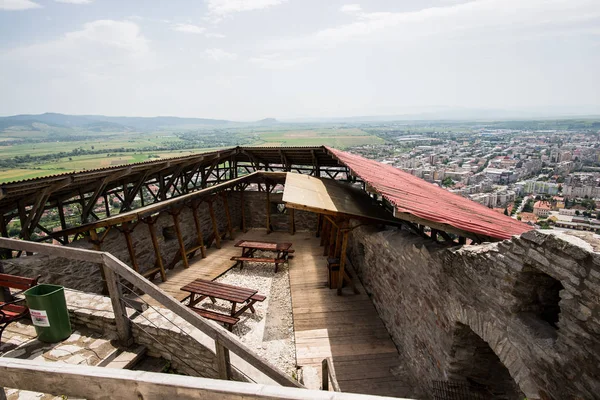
{"x":37,"y":149}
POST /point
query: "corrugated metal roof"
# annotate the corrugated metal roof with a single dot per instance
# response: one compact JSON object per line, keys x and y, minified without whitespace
{"x":422,"y":199}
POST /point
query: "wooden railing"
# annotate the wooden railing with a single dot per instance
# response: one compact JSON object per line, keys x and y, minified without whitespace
{"x":106,"y":383}
{"x":327,"y":374}
{"x":114,"y":269}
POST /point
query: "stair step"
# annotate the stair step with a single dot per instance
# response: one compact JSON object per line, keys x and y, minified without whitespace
{"x":126,"y":359}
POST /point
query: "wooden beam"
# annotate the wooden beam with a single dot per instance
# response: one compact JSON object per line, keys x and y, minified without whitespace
{"x":199,"y":235}
{"x":116,"y":298}
{"x":268,"y":210}
{"x":292,"y":222}
{"x":332,"y":237}
{"x":126,"y":229}
{"x":175,"y":215}
{"x":159,"y":261}
{"x":227,"y":214}
{"x":215,"y":226}
{"x":342,"y":262}
{"x":223,"y":361}
{"x":243,"y":210}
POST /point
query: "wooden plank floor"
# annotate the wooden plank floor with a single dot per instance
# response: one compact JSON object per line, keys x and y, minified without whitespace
{"x":346,"y":328}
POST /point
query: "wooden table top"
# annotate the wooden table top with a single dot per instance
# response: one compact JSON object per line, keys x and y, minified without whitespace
{"x":259,"y":245}
{"x":219,"y":290}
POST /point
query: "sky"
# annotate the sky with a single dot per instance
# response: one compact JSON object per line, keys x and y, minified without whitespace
{"x":253,"y":59}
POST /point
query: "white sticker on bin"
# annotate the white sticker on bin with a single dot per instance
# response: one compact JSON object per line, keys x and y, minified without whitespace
{"x":39,"y":318}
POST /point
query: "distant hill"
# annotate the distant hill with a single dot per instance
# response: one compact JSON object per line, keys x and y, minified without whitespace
{"x":267,"y":121}
{"x":97,"y":122}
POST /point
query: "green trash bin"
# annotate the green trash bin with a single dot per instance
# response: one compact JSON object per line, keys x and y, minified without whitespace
{"x":49,"y":313}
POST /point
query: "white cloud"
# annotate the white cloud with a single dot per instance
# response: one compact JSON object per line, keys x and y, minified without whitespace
{"x":188,"y":28}
{"x":477,"y":18}
{"x":74,"y":1}
{"x":220,"y":8}
{"x":278,"y":61}
{"x":219,"y":55}
{"x":215,"y":35}
{"x":100,"y":47}
{"x":350,"y":8}
{"x":14,"y":5}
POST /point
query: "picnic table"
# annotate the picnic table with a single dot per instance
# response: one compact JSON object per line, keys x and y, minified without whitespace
{"x":249,"y":247}
{"x":201,"y":289}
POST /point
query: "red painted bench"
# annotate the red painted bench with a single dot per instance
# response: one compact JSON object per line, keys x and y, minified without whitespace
{"x":13,"y":309}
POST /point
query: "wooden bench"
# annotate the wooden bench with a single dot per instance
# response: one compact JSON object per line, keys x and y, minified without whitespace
{"x":227,"y":320}
{"x":10,"y":309}
{"x":276,"y":261}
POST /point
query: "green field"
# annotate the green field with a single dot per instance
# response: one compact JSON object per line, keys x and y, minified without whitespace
{"x":119,"y":148}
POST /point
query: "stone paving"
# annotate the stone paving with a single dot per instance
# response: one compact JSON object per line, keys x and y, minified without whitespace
{"x":83,"y":347}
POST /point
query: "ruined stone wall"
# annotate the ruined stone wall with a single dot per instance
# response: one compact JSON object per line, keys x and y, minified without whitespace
{"x":86,"y":276}
{"x":427,"y":295}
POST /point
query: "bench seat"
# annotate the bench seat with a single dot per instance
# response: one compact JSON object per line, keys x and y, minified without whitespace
{"x":10,"y":310}
{"x":276,"y":261}
{"x":229,"y":321}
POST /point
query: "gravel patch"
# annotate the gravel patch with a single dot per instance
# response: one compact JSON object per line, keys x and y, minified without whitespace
{"x":269,"y":331}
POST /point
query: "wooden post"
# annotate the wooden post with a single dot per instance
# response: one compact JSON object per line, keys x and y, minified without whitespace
{"x":97,"y":243}
{"x":159,"y":261}
{"x":462,"y":240}
{"x":319,"y":224}
{"x":214,"y":224}
{"x":127,"y":232}
{"x":63,"y":222}
{"x":338,"y":244}
{"x":243,"y":222}
{"x":106,"y":205}
{"x":227,"y":214}
{"x":325,"y":235}
{"x":268,"y":209}
{"x":324,"y":375}
{"x":121,"y":318}
{"x":342,"y":262}
{"x":175,"y":215}
{"x":223,"y":361}
{"x":332,"y":237}
{"x":198,"y":230}
{"x":6,"y":252}
{"x":292,"y":221}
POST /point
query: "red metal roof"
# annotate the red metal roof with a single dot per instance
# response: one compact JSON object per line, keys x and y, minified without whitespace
{"x":422,"y":199}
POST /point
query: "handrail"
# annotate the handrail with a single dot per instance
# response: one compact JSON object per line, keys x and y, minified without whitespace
{"x":87,"y":382}
{"x":328,"y":373}
{"x":113,"y":267}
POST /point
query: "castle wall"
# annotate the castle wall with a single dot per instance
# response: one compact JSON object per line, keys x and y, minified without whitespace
{"x":429,"y":295}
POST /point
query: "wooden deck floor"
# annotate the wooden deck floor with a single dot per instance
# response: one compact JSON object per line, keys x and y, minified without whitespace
{"x":346,"y":328}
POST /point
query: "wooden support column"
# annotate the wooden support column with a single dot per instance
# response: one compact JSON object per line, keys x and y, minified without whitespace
{"x":213,"y":219}
{"x":116,"y":298}
{"x":200,"y":236}
{"x":332,"y":237}
{"x":97,"y":244}
{"x":227,"y":214}
{"x":159,"y":261}
{"x":343,"y":262}
{"x":6,"y":253}
{"x":126,"y":229}
{"x":325,"y":233}
{"x":434,"y":233}
{"x":175,"y":215}
{"x":319,"y":224}
{"x":338,"y":244}
{"x":462,"y":240}
{"x":63,"y":222}
{"x":243,"y":207}
{"x":292,"y":221}
{"x":268,"y":209}
{"x":223,"y":361}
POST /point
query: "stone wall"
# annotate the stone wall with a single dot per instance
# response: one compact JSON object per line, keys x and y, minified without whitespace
{"x":86,"y":276}
{"x":534,"y":300}
{"x":152,"y":329}
{"x":255,"y":210}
